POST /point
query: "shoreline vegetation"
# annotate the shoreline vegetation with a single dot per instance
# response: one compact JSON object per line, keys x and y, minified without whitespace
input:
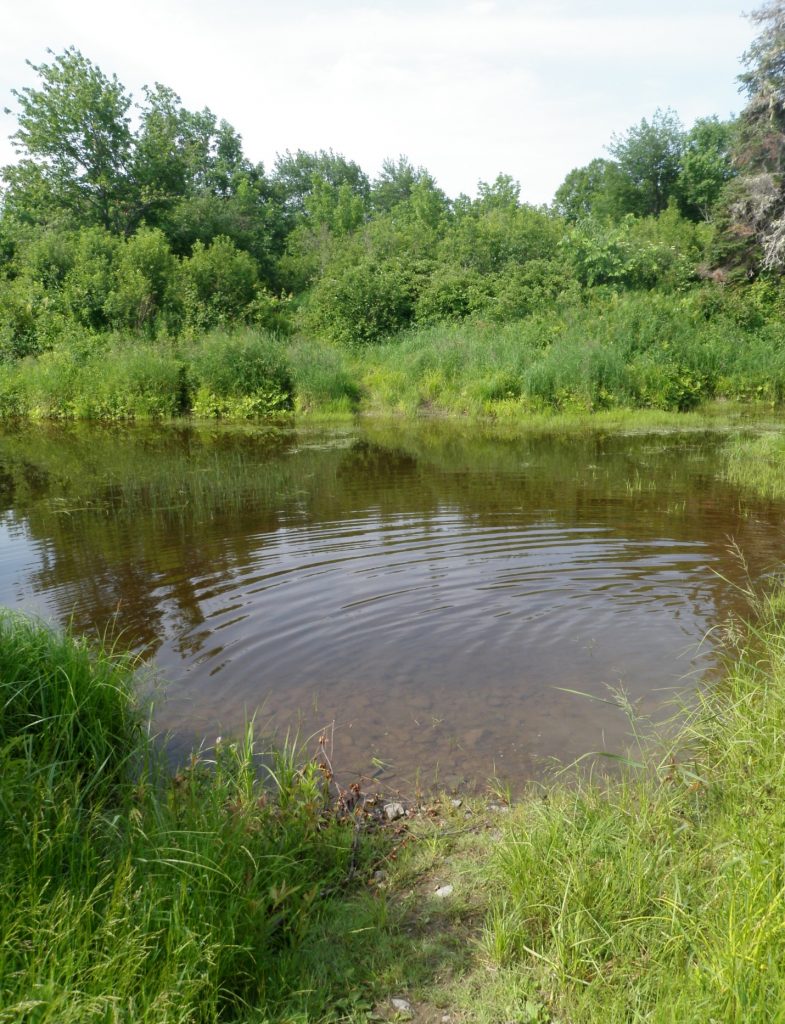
{"x":150,"y":270}
{"x":637,"y":354}
{"x":248,"y":887}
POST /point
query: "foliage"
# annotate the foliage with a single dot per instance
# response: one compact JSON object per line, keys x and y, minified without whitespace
{"x":360,"y":304}
{"x":159,"y":231}
{"x":241,"y":375}
{"x":142,"y":896}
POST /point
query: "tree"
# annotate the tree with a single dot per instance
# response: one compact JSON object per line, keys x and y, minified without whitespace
{"x":294,"y":176}
{"x":765,"y":59}
{"x":756,"y":207}
{"x":706,"y":167}
{"x":82,"y":164}
{"x":502,"y":193}
{"x":397,"y":182}
{"x":76,"y":146}
{"x":649,"y":157}
{"x":596,"y":190}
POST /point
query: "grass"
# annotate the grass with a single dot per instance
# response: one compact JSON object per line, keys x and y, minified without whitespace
{"x":130,"y":895}
{"x":126,"y":895}
{"x":661,"y":897}
{"x":756,"y":463}
{"x":602,"y":351}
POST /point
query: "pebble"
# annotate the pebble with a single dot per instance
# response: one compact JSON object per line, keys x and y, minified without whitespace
{"x":499,"y":808}
{"x":457,"y":803}
{"x":445,"y":890}
{"x":402,"y":1006}
{"x":379,"y":877}
{"x":393,"y":812}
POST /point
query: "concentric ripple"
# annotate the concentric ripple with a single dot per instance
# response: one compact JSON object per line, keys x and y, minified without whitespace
{"x":439,"y":619}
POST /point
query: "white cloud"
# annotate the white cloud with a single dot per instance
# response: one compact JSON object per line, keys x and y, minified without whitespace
{"x":467,"y":90}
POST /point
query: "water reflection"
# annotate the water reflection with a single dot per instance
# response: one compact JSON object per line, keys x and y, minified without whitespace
{"x":431,"y":590}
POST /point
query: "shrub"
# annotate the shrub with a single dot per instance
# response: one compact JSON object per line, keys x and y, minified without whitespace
{"x":242,"y":374}
{"x":362,"y":303}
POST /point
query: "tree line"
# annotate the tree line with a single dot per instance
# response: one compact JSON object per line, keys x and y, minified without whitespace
{"x":148,"y":219}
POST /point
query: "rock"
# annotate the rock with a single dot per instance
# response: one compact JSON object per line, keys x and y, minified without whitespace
{"x":393,"y":812}
{"x":457,"y":803}
{"x":402,"y":1006}
{"x":446,"y":1018}
{"x":379,"y":877}
{"x":499,"y":808}
{"x":444,"y":891}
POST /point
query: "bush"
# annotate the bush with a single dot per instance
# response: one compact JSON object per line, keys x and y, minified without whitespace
{"x":218,"y":285}
{"x":244,"y":374}
{"x":361,"y":304}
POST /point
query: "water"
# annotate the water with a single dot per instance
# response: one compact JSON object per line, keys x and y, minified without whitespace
{"x":431,"y":594}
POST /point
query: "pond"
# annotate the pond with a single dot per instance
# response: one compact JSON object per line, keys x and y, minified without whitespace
{"x":432,"y":594}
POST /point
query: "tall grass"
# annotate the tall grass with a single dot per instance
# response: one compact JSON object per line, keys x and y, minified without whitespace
{"x":130,"y":895}
{"x":601,"y":351}
{"x":662,"y":896}
{"x":632,"y":351}
{"x":758,"y":463}
{"x":240,"y":375}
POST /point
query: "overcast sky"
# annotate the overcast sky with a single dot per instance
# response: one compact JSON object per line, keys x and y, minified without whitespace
{"x":467,"y":89}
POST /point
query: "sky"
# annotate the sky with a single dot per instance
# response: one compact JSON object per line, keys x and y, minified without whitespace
{"x":466,"y":89}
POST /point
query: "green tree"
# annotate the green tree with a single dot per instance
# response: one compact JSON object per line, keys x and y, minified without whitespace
{"x":294,"y":176}
{"x":754,"y":223}
{"x":75,"y":145}
{"x":596,"y":190}
{"x":706,"y":167}
{"x":396,"y":183}
{"x":649,"y":157}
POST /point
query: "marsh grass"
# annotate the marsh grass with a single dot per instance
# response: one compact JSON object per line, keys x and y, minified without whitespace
{"x":758,"y":463}
{"x":130,"y":895}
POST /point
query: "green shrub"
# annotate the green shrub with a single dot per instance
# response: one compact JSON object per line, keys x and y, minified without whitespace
{"x":218,"y":285}
{"x":451,"y":293}
{"x":243,"y":374}
{"x":361,"y":304}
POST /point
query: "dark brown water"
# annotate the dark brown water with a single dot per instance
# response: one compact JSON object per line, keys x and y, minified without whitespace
{"x":432,"y":592}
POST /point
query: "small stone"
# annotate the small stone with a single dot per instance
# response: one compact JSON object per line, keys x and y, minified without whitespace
{"x":393,"y":812}
{"x":444,"y":891}
{"x":402,"y":1006}
{"x":457,"y":803}
{"x":446,"y":1018}
{"x":379,"y":877}
{"x":499,"y":808}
